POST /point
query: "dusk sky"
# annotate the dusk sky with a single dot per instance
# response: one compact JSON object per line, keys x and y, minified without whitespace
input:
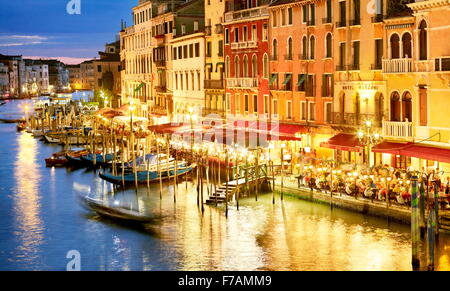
{"x":43,"y":28}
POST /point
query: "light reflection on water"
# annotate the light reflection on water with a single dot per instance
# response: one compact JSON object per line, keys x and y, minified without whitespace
{"x":41,"y":220}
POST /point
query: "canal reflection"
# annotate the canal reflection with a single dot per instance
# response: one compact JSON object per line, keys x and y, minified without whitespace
{"x":42,"y":219}
{"x":28,"y":223}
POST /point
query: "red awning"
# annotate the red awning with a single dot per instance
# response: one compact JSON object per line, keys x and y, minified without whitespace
{"x":386,"y":147}
{"x":344,"y":142}
{"x":273,"y":130}
{"x":427,"y":152}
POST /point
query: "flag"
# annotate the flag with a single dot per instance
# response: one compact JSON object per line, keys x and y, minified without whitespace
{"x":138,"y":88}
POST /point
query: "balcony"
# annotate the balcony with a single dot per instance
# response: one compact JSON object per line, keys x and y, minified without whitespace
{"x":341,"y":68}
{"x":354,"y":119}
{"x":160,"y":63}
{"x":394,"y":129}
{"x":378,"y":18}
{"x":246,"y":14}
{"x":424,"y":66}
{"x":207,"y":30}
{"x":354,"y":67}
{"x":327,"y":20}
{"x":252,"y":44}
{"x":288,"y":57}
{"x":397,"y":65}
{"x":311,"y":22}
{"x":341,"y":23}
{"x":214,"y":84}
{"x":303,"y":57}
{"x":355,"y":22}
{"x":234,"y":45}
{"x":218,"y":29}
{"x":242,"y":82}
{"x":161,"y":89}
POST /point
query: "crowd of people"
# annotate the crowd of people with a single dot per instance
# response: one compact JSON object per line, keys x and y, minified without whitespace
{"x":379,"y":183}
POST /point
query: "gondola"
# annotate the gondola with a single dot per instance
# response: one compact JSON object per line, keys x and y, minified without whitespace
{"x":116,"y":212}
{"x":100,"y":161}
{"x":74,"y":158}
{"x":144,"y":176}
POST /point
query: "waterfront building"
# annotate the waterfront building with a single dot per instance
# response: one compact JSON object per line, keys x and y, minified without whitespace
{"x":4,"y":80}
{"x":58,"y":75}
{"x":301,"y":70}
{"x":107,"y":70}
{"x":214,"y":64}
{"x":16,"y":69}
{"x":188,"y":67}
{"x":416,"y":68}
{"x":359,"y":86}
{"x":87,"y":75}
{"x":36,"y":79}
{"x":75,"y":77}
{"x":135,"y":56}
{"x":145,"y":50}
{"x":247,"y":59}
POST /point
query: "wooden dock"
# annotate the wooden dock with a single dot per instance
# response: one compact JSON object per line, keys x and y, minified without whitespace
{"x":253,"y":180}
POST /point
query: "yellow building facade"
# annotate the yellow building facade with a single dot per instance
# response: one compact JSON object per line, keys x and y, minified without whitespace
{"x":215,"y":102}
{"x":416,"y":68}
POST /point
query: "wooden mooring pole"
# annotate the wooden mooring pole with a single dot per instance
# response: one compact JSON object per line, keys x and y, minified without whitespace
{"x":415,"y":229}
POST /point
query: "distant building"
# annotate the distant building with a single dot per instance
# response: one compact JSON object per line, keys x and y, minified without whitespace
{"x":87,"y":75}
{"x":4,"y":80}
{"x":107,"y":69}
{"x":16,"y":69}
{"x":75,"y":81}
{"x":36,"y":78}
{"x":58,"y":75}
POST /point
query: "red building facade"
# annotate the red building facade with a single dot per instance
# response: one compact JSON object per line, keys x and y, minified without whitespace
{"x":246,"y":50}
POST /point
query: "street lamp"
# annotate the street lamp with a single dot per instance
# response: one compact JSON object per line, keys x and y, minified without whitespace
{"x":368,"y":137}
{"x":192,"y":117}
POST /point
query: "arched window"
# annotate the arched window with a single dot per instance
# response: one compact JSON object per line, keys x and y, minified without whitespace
{"x":395,"y":46}
{"x":266,"y":66}
{"x":423,"y":55}
{"x":406,"y":43}
{"x":289,"y":49}
{"x":312,"y":47}
{"x":395,"y":106}
{"x":274,"y":49}
{"x":304,"y":48}
{"x":227,"y":67}
{"x":254,"y":66}
{"x":329,"y":45}
{"x":407,"y":107}
{"x":237,"y":71}
{"x":245,"y":66}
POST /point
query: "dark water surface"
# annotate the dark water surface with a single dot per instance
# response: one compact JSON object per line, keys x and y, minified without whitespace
{"x":41,"y":220}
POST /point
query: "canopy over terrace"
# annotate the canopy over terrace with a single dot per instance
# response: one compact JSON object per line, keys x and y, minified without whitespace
{"x":344,"y":142}
{"x":414,"y":150}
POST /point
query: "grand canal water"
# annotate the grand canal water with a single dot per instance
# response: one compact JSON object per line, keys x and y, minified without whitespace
{"x":41,"y":220}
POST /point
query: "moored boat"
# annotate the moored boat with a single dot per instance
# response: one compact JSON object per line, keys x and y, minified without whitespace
{"x":56,"y":161}
{"x":100,"y":160}
{"x":116,"y":212}
{"x":145,"y":176}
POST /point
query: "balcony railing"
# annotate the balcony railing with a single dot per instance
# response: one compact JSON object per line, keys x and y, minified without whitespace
{"x":246,"y":14}
{"x":234,"y":45}
{"x":242,"y":82}
{"x":397,"y":65}
{"x":341,"y":23}
{"x":218,"y":29}
{"x":214,"y":84}
{"x":161,"y":89}
{"x":398,"y":129}
{"x":354,"y":119}
{"x":424,"y":66}
{"x":252,"y":44}
{"x":327,"y":20}
{"x":207,"y":30}
{"x":378,"y":18}
{"x":288,"y":57}
{"x":355,"y":21}
{"x":341,"y":68}
{"x":160,"y":63}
